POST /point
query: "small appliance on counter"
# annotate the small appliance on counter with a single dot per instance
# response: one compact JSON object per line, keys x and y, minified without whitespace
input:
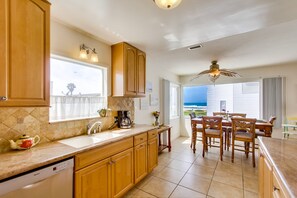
{"x":24,"y":142}
{"x":124,"y":120}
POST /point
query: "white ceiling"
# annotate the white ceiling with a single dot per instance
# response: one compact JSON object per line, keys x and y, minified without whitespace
{"x":237,"y":33}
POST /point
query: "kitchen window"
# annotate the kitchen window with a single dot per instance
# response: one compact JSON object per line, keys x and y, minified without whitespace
{"x":174,"y":100}
{"x":77,"y":90}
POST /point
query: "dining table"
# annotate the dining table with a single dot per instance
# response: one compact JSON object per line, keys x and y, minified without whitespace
{"x":261,"y":125}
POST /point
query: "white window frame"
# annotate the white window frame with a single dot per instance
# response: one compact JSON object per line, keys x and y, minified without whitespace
{"x":177,"y":102}
{"x":104,"y":88}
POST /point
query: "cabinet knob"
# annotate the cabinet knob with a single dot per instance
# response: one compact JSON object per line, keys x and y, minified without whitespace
{"x":275,"y":188}
{"x":3,"y":98}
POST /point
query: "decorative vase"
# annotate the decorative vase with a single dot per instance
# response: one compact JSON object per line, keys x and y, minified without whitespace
{"x":157,"y":121}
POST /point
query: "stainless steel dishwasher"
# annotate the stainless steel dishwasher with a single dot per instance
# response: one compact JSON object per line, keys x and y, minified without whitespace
{"x":53,"y":181}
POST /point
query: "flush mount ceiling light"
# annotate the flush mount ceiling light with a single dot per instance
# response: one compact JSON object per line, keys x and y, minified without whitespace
{"x":85,"y":51}
{"x":214,"y":72}
{"x":167,"y":4}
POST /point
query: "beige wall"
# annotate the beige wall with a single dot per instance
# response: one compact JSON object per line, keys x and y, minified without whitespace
{"x":155,"y":75}
{"x":65,"y":41}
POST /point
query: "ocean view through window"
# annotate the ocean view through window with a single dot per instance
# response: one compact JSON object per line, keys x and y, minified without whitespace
{"x":195,"y":100}
{"x":233,"y":98}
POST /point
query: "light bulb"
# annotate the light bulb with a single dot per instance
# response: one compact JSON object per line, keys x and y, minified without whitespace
{"x":83,"y":54}
{"x":94,"y":57}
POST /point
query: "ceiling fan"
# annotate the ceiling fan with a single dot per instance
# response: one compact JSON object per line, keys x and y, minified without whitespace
{"x":214,"y":72}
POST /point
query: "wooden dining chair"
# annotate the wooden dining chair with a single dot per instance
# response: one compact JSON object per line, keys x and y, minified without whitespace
{"x":262,"y":132}
{"x":243,"y":129}
{"x":223,"y":114}
{"x":228,"y":129}
{"x":197,"y":128}
{"x":212,"y":128}
{"x":231,"y":115}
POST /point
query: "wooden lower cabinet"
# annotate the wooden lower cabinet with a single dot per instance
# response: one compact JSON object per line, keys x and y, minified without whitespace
{"x":152,"y":145}
{"x":270,"y":184}
{"x":122,"y":173}
{"x":265,"y":176}
{"x":140,"y":161}
{"x":94,"y":180}
{"x":111,"y":170}
{"x":111,"y":177}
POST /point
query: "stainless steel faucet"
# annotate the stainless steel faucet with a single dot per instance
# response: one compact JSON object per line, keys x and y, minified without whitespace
{"x":91,"y":126}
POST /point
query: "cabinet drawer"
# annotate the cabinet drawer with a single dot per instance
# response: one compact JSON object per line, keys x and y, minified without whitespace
{"x":140,"y":138}
{"x":152,"y":134}
{"x":97,"y":154}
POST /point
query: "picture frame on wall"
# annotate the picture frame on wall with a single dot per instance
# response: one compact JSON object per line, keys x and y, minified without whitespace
{"x":144,"y":103}
{"x":154,"y":100}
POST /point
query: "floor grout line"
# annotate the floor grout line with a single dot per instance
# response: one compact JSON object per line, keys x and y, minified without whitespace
{"x":182,"y":151}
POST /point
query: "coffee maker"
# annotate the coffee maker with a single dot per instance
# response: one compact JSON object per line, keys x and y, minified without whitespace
{"x":124,"y":120}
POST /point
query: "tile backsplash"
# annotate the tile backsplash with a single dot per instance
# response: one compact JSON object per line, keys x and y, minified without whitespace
{"x":16,"y":121}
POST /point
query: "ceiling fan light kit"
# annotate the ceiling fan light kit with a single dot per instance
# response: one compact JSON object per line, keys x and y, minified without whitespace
{"x":215,"y":72}
{"x":167,"y":4}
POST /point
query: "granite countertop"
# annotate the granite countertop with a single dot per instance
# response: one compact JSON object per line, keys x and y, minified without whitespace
{"x":20,"y":161}
{"x":282,"y":153}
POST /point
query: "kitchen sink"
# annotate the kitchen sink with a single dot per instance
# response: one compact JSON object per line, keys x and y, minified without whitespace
{"x":87,"y":140}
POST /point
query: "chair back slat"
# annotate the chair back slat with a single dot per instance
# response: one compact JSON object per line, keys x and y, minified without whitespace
{"x":212,"y":122}
{"x":272,"y":119}
{"x":231,"y":115}
{"x":222,"y":114}
{"x":192,"y":115}
{"x":244,"y":125}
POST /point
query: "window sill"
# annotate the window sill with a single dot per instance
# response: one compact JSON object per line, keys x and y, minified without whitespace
{"x":73,"y":119}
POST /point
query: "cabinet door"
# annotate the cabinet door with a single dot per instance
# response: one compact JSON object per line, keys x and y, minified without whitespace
{"x":267,"y":176}
{"x":3,"y":46}
{"x":27,"y":72}
{"x":152,"y":154}
{"x":94,"y":180}
{"x":122,"y":173}
{"x":141,"y":73}
{"x":130,"y":69}
{"x":261,"y":175}
{"x":140,"y":161}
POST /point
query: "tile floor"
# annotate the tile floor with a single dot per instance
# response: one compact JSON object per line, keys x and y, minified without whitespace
{"x":182,"y":174}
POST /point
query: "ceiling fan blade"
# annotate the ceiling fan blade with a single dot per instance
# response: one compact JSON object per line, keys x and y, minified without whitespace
{"x":200,"y":74}
{"x":229,"y":73}
{"x":204,"y":72}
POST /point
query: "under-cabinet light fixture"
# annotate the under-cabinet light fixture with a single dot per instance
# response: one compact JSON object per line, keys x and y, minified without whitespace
{"x":85,"y":51}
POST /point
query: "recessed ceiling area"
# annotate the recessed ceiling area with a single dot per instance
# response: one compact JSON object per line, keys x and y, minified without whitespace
{"x":239,"y":34}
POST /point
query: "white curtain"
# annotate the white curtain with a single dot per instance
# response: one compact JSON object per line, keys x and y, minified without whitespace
{"x":273,"y":99}
{"x":166,"y":106}
{"x":72,"y":107}
{"x":166,"y":102}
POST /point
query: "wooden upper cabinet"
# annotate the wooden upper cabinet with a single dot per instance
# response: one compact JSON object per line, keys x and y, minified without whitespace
{"x":3,"y":46}
{"x":128,"y":71}
{"x":25,"y":52}
{"x":141,"y":78}
{"x":130,"y":56}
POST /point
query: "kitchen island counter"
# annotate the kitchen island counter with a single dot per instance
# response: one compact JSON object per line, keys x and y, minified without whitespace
{"x":282,"y":154}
